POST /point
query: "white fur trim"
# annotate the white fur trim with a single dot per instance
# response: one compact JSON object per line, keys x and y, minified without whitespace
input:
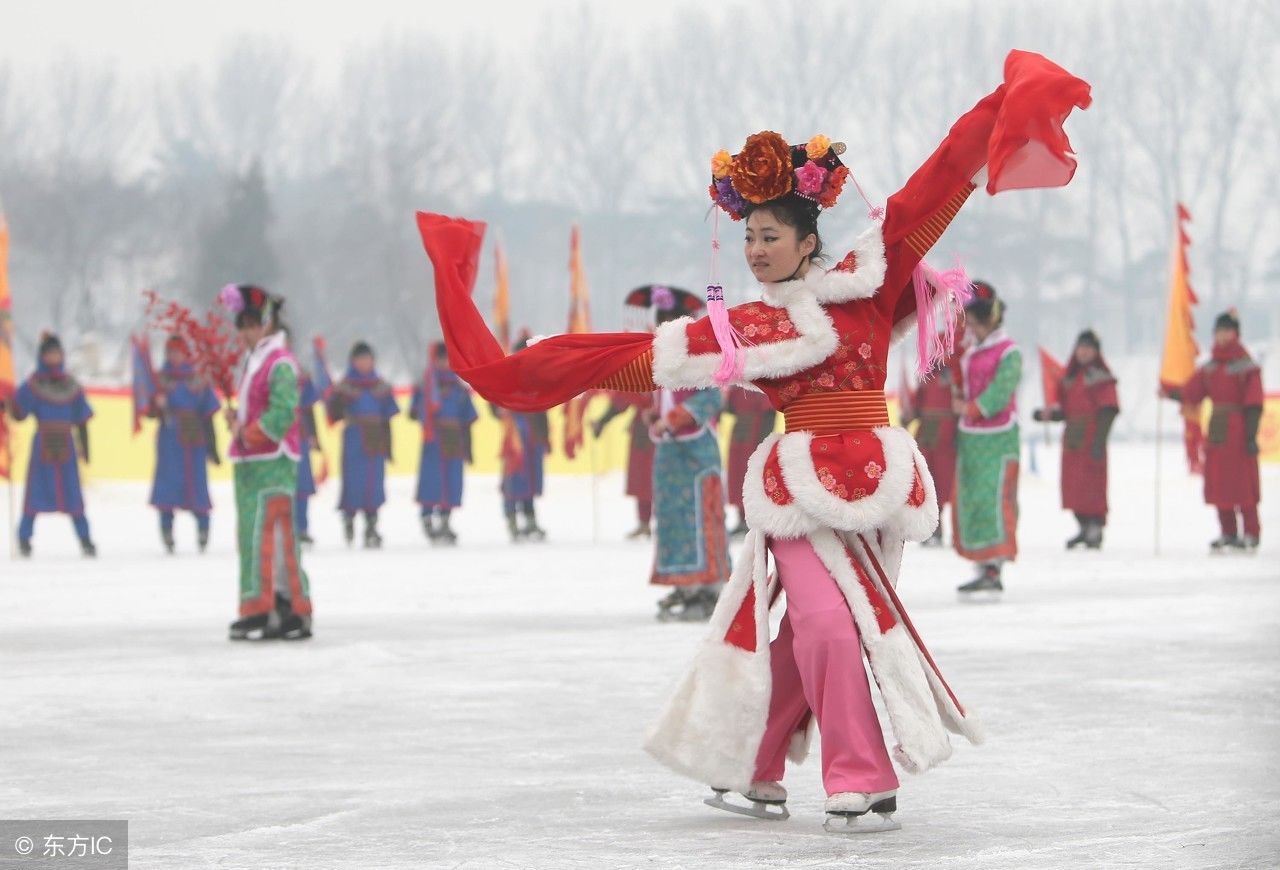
{"x":762,"y":512}
{"x":814,"y":507}
{"x":965,"y":724}
{"x":675,"y":367}
{"x":711,"y":727}
{"x":922,"y":740}
{"x":831,"y":287}
{"x":918,"y":523}
{"x":802,"y":741}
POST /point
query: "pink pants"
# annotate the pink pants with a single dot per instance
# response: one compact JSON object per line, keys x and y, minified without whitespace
{"x":817,"y":666}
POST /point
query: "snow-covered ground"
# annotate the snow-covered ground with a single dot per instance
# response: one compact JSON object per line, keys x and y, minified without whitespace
{"x":483,"y":706}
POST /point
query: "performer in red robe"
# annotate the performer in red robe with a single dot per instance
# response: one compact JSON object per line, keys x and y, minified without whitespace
{"x":753,"y":421}
{"x":1232,"y":381}
{"x":1089,"y":406}
{"x":639,"y":454}
{"x":936,"y":433}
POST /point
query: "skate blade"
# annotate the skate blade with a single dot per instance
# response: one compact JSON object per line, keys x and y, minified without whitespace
{"x":773,"y":812}
{"x":979,"y":597}
{"x":865,"y":823}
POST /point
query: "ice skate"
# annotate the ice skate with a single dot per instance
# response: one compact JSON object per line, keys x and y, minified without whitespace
{"x":986,"y":587}
{"x":847,"y":813}
{"x":1226,"y":544}
{"x":166,"y":538}
{"x":202,"y":540}
{"x":532,"y":531}
{"x":372,"y":540}
{"x":768,"y":801}
{"x":934,"y":540}
{"x":668,"y":604}
{"x":305,"y":539}
{"x":24,"y":548}
{"x":513,"y":529}
{"x":644,"y":530}
{"x":1250,"y":544}
{"x":1093,"y":536}
{"x":87,"y":549}
{"x":249,"y":628}
{"x":698,"y":607}
{"x":428,"y":529}
{"x":445,"y":535}
{"x":1080,"y":538}
{"x":349,"y":528}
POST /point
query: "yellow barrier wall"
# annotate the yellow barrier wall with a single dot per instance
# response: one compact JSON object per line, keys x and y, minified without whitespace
{"x":118,"y":454}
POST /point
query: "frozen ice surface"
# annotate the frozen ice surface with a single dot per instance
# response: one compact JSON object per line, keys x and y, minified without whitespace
{"x":483,"y":706}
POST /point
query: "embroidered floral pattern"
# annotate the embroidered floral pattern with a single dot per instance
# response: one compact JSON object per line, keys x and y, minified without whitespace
{"x":915,"y":498}
{"x":873,"y":470}
{"x":774,"y":486}
{"x":832,"y":485}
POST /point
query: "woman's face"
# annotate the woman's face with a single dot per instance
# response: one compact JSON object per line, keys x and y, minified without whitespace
{"x":363,"y":363}
{"x":250,"y":334}
{"x":979,"y":329}
{"x":773,"y":250}
{"x":1085,"y":354}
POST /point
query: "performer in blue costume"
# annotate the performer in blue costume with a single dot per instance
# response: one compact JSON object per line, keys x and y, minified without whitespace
{"x":365,"y":401}
{"x":526,"y":438}
{"x":308,"y":396}
{"x":442,"y":403}
{"x":185,"y":405}
{"x":62,"y":413}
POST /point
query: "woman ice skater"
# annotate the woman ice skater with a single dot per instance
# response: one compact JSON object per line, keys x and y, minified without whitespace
{"x":834,"y":497}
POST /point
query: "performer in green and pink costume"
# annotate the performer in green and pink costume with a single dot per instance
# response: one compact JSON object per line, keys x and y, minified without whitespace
{"x":987,"y":447}
{"x":275,"y":599}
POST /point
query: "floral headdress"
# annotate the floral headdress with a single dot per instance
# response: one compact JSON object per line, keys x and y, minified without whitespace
{"x":767,"y":169}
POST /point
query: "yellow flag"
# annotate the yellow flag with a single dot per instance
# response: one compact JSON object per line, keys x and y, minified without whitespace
{"x":1180,"y":351}
{"x":1269,"y":430}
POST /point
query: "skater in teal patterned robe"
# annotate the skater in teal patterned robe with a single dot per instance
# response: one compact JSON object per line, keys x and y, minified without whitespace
{"x":692,"y":548}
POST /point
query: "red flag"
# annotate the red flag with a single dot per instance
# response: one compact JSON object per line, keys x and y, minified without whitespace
{"x":1051,"y":372}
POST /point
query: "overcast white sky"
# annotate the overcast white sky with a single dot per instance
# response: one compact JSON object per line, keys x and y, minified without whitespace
{"x":149,"y":34}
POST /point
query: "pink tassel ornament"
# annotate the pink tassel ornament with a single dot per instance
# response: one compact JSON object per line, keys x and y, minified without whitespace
{"x":951,"y":291}
{"x":732,"y":356}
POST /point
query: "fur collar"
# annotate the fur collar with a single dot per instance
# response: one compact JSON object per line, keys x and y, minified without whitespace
{"x":833,"y":286}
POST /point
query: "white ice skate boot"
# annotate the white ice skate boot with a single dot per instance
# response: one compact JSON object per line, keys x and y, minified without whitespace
{"x":768,"y":801}
{"x":847,"y":812}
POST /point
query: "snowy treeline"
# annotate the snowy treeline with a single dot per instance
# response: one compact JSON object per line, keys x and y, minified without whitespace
{"x":114,"y":182}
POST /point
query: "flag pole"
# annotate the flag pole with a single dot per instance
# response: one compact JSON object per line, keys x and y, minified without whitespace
{"x":595,"y":489}
{"x":13,"y":528}
{"x":1159,"y":449}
